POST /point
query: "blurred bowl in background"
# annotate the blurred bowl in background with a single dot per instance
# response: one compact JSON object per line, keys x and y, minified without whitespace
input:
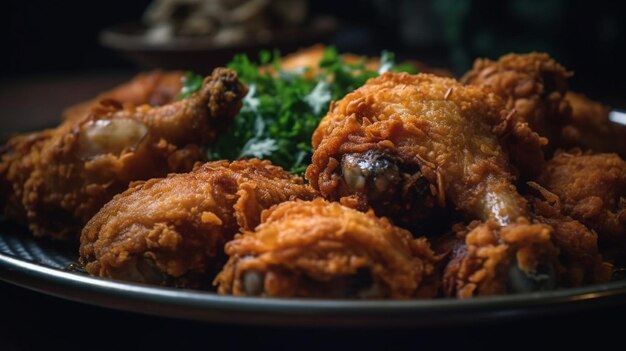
{"x":202,"y":54}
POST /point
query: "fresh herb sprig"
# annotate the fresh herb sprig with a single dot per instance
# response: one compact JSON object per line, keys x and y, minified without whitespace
{"x":283,"y":108}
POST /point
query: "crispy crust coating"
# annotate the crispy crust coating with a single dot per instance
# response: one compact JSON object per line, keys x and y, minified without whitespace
{"x":154,"y":88}
{"x":590,"y":127}
{"x":579,"y":256}
{"x":484,"y":254}
{"x":590,"y":189}
{"x":533,"y":86}
{"x":55,"y":180}
{"x":433,"y":124}
{"x":171,"y":231}
{"x":317,"y":248}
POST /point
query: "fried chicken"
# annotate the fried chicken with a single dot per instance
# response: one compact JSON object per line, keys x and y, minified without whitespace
{"x":403,"y":144}
{"x":590,"y":128}
{"x":154,"y":88}
{"x":57,"y":179}
{"x":533,"y":87}
{"x":487,"y":260}
{"x":579,"y":256}
{"x":590,"y":188}
{"x":171,"y":231}
{"x":326,"y":250}
{"x":481,"y":260}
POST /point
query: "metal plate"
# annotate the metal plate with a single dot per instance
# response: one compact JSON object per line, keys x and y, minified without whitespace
{"x":41,"y":265}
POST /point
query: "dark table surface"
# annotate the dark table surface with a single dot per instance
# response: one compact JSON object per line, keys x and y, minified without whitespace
{"x":33,"y":321}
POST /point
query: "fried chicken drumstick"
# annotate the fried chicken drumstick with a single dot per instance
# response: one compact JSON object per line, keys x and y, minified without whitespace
{"x":57,"y":179}
{"x":171,"y":231}
{"x":403,"y":143}
{"x":326,"y":250}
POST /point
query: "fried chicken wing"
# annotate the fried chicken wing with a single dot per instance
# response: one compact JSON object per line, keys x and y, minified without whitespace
{"x":154,"y":88}
{"x":57,"y":179}
{"x":590,"y":128}
{"x":326,"y":250}
{"x":533,"y":86}
{"x":171,"y":231}
{"x":590,"y":188}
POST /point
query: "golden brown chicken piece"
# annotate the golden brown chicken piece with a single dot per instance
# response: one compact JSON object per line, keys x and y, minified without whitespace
{"x":171,"y":231}
{"x":57,"y":179}
{"x":590,"y":127}
{"x":591,"y":189}
{"x":533,"y":86}
{"x":488,"y":260}
{"x":326,"y":250}
{"x":403,"y":144}
{"x":480,"y":260}
{"x":579,"y":256}
{"x":155,"y":88}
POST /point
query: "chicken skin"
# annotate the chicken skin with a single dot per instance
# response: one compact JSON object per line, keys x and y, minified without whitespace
{"x":590,"y":127}
{"x":590,"y":188}
{"x":154,"y":88}
{"x":325,"y":250}
{"x":580,"y":259}
{"x":56,"y":180}
{"x":533,"y":87}
{"x":171,"y":231}
{"x":486,"y":259}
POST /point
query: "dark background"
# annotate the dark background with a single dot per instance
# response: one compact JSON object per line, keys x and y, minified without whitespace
{"x":41,"y":37}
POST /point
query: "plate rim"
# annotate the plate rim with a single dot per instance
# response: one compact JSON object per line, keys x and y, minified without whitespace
{"x":211,"y":307}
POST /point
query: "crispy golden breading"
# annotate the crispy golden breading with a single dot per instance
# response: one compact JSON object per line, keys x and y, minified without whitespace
{"x":402,"y":143}
{"x":533,"y":86}
{"x":322,"y":249}
{"x":171,"y":231}
{"x":591,"y":189}
{"x":579,"y":257}
{"x":154,"y":88}
{"x":489,"y":260}
{"x":590,"y":127}
{"x":57,"y":179}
